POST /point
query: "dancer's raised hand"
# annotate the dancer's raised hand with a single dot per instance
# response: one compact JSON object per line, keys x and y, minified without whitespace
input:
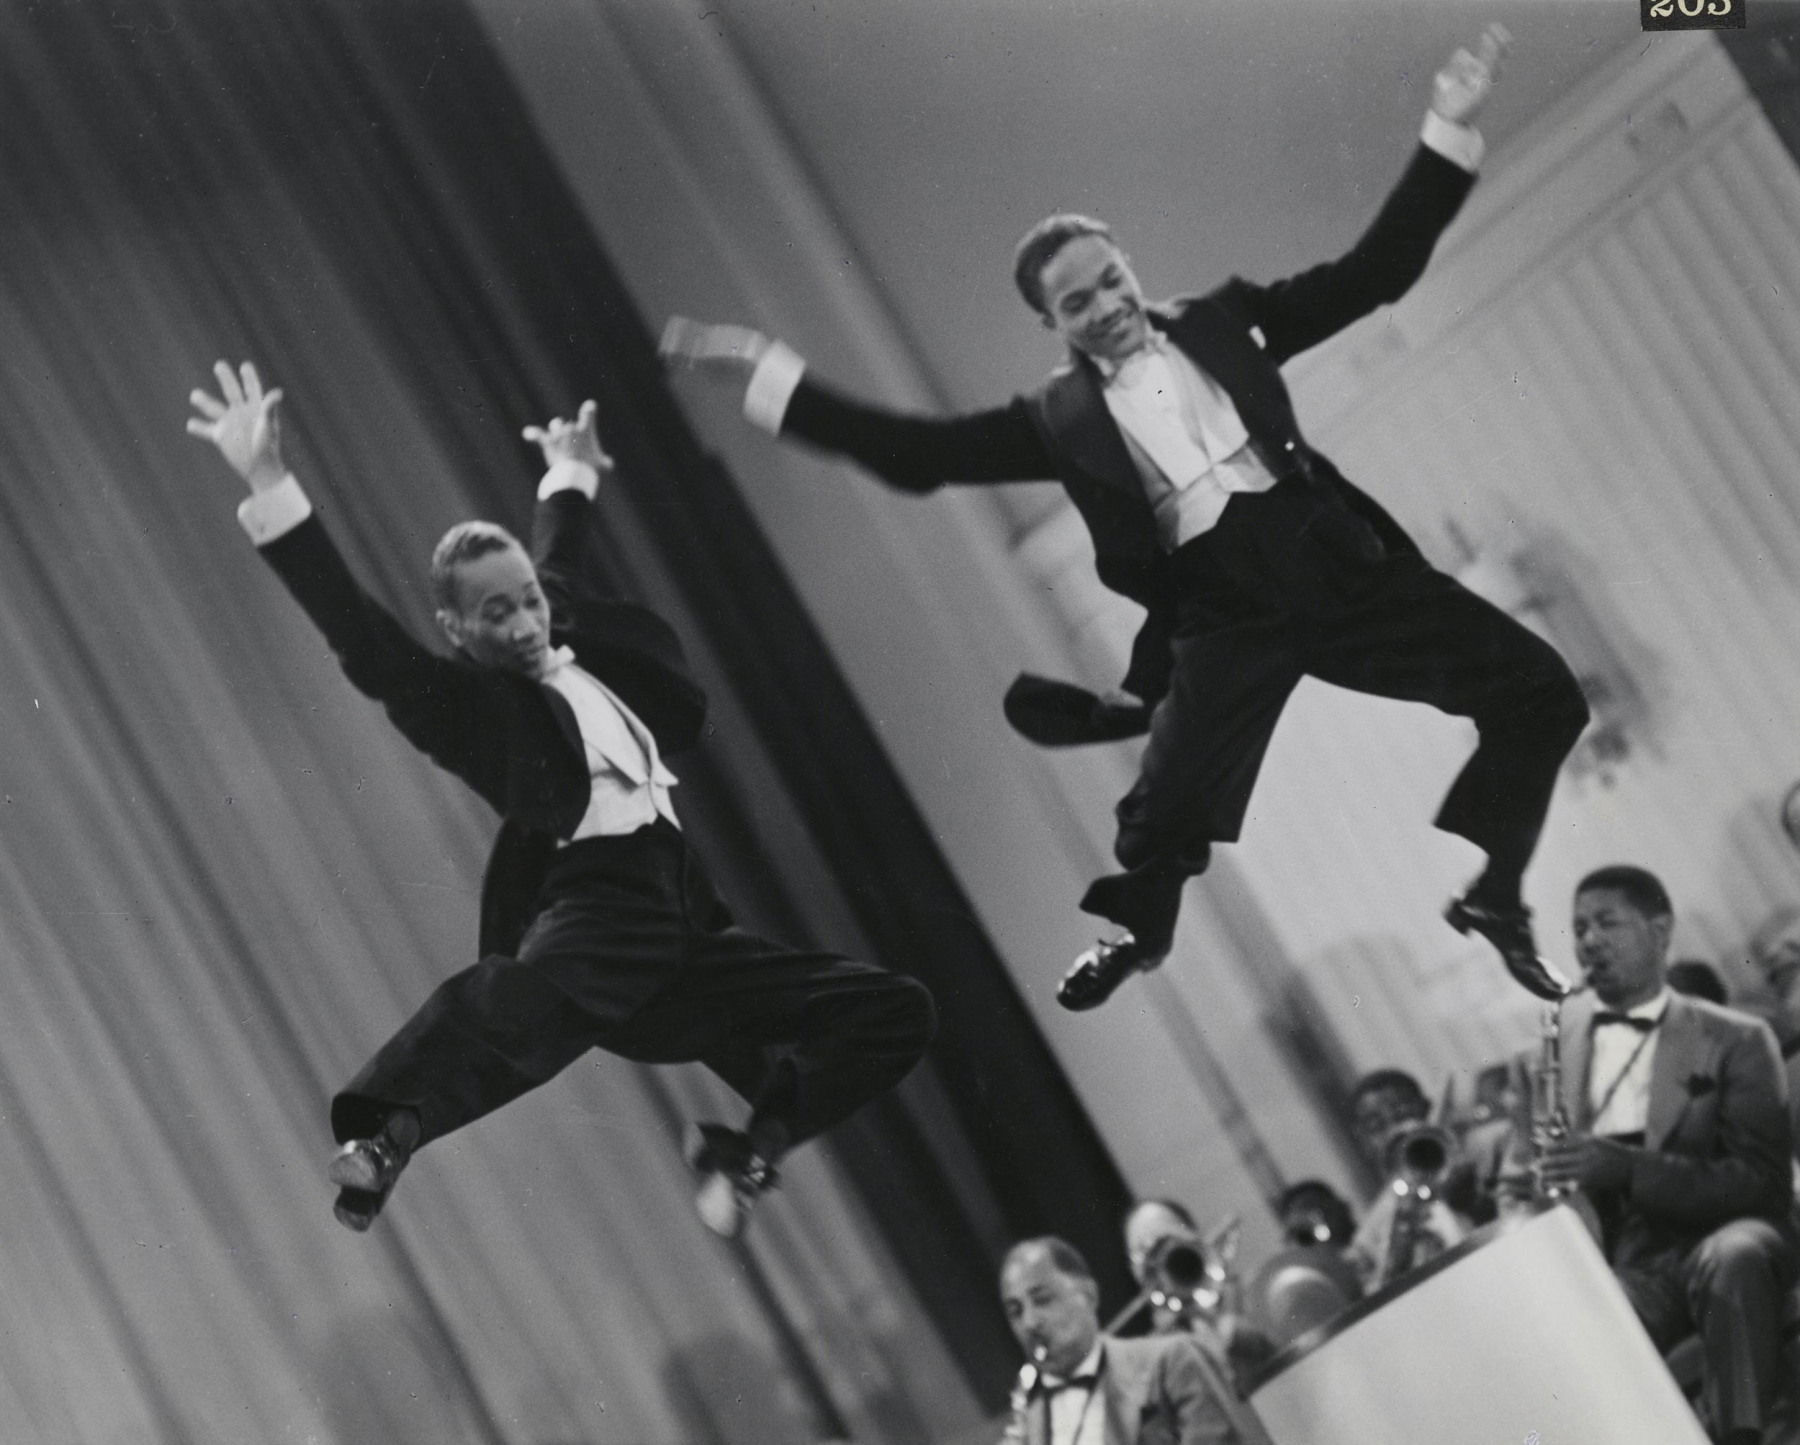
{"x":242,"y":423}
{"x":726,"y":351}
{"x":571,"y":441}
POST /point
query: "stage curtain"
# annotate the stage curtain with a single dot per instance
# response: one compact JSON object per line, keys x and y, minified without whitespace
{"x":223,"y":880}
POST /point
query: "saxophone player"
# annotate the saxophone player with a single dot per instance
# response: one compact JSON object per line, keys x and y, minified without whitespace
{"x":1679,"y":1137}
{"x":1085,"y":1388}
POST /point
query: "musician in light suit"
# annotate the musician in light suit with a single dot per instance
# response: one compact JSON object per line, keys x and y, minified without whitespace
{"x":1681,"y":1141}
{"x":1089,"y":1389}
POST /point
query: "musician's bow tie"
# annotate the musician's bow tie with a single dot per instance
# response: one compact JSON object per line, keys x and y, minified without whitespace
{"x":1630,"y":1021}
{"x":1052,"y":1385}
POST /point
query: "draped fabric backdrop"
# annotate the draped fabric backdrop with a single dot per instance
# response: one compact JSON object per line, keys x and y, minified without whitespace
{"x":223,"y":879}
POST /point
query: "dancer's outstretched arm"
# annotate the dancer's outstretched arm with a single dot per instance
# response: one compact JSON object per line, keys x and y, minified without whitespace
{"x":562,"y":536}
{"x":913,"y":453}
{"x":1305,"y":309}
{"x":428,"y":697}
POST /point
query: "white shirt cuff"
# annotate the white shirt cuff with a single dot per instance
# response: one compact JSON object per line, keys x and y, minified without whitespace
{"x":1459,"y":144}
{"x":772,"y":387}
{"x":569,"y":475}
{"x":274,"y":513}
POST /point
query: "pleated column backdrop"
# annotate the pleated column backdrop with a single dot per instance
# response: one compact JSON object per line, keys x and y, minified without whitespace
{"x":223,"y":879}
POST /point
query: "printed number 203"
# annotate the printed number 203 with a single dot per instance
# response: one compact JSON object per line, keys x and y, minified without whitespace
{"x":1663,"y":9}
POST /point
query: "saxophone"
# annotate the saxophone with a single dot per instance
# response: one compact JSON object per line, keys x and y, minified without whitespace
{"x":1550,"y":1123}
{"x":1549,"y":1119}
{"x":1019,"y":1402}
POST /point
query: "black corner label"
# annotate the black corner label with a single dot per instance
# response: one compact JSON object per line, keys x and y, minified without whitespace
{"x":1692,"y":14}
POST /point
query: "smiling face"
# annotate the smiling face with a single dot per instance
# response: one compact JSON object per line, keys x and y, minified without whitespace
{"x":501,"y":619}
{"x":1623,"y":949}
{"x":1092,"y":299}
{"x":1049,"y":1310}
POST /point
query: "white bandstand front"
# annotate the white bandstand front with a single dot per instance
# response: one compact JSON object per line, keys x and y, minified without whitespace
{"x":1526,"y":1339}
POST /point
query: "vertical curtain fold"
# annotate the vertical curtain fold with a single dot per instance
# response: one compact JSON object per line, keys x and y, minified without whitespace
{"x":224,"y":880}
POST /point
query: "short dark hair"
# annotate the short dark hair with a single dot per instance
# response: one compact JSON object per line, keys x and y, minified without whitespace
{"x":1067,"y":1259}
{"x":1641,"y":888}
{"x":463,"y":543}
{"x":1382,"y":1080}
{"x":1697,"y":978}
{"x":1179,"y":1210}
{"x":1038,"y":247}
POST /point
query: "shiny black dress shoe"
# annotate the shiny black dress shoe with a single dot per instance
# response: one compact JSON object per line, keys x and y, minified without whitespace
{"x":733,"y":1176}
{"x":1099,"y":971}
{"x":356,"y":1209}
{"x":1508,"y":928}
{"x":365,"y":1171}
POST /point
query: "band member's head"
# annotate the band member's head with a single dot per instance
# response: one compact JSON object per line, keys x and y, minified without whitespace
{"x":1623,"y":919}
{"x":489,"y":601}
{"x":1382,"y":1104}
{"x":1312,"y":1213}
{"x":1698,"y":979}
{"x":1775,"y":948}
{"x":1149,"y":1223}
{"x":1073,"y":274}
{"x":1051,"y":1302}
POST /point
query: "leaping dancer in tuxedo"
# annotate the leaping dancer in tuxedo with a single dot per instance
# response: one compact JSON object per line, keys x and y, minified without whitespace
{"x":1256,"y":561}
{"x":558,"y":705}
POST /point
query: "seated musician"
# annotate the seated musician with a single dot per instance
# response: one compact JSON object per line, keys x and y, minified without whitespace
{"x":1388,"y":1107}
{"x":1085,"y":1388}
{"x":1191,"y":1288}
{"x":1681,"y":1143}
{"x":1313,"y":1215}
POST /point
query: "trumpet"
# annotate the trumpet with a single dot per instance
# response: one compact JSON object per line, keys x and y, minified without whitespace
{"x":1418,"y":1163}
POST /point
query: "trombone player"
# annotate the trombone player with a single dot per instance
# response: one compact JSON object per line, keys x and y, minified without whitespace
{"x":1188,"y":1286}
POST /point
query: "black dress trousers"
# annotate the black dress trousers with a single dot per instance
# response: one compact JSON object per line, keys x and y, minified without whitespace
{"x":632,"y":951}
{"x":1290,"y":584}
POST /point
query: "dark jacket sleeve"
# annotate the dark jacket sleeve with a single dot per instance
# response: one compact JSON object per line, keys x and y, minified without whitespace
{"x":565,"y":552}
{"x":1748,"y":1173}
{"x":432,"y":700}
{"x":1305,"y":309}
{"x":916,"y":453}
{"x":1153,"y":653}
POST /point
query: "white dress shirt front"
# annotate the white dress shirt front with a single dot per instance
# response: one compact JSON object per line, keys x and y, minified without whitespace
{"x":628,"y":782}
{"x":1184,"y":433}
{"x":1619,"y":1064}
{"x":1077,"y":1412}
